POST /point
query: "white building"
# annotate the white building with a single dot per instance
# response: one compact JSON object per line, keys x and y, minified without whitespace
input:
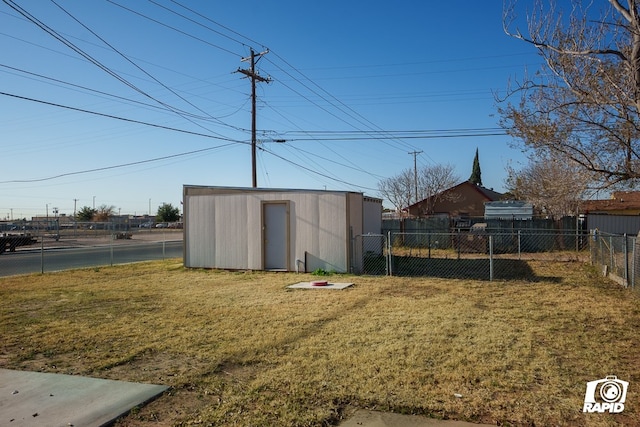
{"x":276,"y":229}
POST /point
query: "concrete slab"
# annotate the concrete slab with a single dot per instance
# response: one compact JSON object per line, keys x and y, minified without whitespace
{"x":311,"y":285}
{"x":42,"y":399}
{"x":365,"y":418}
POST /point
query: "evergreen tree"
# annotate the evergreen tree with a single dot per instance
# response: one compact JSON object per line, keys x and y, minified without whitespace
{"x":86,"y":214}
{"x":476,"y":174}
{"x":168,"y":213}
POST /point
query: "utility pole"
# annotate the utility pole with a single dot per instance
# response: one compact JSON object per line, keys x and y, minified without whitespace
{"x":254,"y":76}
{"x":415,"y":171}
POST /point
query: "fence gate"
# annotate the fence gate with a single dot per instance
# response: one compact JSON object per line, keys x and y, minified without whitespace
{"x":370,"y":254}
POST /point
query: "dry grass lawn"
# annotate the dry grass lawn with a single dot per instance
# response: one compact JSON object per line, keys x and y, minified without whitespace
{"x":239,"y":348}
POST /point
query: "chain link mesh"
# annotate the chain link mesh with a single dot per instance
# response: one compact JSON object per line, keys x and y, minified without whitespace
{"x":616,"y":256}
{"x":475,"y":254}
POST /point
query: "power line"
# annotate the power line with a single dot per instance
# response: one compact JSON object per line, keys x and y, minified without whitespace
{"x":346,"y":113}
{"x":173,"y":28}
{"x":316,"y":172}
{"x":140,"y":162}
{"x":194,"y":21}
{"x":395,"y":137}
{"x":394,"y":131}
{"x":220,"y":25}
{"x":85,"y":88}
{"x":353,"y":165}
{"x":354,"y":114}
{"x":111,"y":116}
{"x":126,"y":58}
{"x":421,"y":63}
{"x":113,"y":73}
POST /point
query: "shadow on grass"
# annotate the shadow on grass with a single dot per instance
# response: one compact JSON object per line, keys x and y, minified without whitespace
{"x":475,"y":269}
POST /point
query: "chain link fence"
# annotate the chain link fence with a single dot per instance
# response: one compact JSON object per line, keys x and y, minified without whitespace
{"x":616,"y":255}
{"x":475,"y":254}
{"x":40,"y":251}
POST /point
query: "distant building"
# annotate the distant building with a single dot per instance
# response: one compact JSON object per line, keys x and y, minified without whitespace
{"x":463,"y":200}
{"x":508,"y":209}
{"x":619,"y":214}
{"x":620,"y":203}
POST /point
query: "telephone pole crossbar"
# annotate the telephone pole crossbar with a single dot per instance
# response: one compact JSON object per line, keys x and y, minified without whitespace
{"x":255,"y":77}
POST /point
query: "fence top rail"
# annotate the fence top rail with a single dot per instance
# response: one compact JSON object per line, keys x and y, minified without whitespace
{"x":495,"y":233}
{"x":605,"y":234}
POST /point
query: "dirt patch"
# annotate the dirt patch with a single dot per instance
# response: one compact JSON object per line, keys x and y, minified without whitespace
{"x":171,"y":409}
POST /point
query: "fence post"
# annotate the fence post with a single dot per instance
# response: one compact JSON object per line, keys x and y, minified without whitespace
{"x":490,"y":257}
{"x":633,"y":263}
{"x":626,"y":261}
{"x":42,"y":254}
{"x":389,"y":259}
{"x":519,"y":244}
{"x":611,"y":255}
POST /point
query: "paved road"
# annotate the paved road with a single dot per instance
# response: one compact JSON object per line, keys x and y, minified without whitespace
{"x":35,"y":260}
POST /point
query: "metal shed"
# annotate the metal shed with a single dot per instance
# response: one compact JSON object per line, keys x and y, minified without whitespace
{"x":276,"y":229}
{"x":508,"y":209}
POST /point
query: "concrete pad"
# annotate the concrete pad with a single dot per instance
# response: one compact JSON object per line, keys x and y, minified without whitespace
{"x":310,"y":285}
{"x":365,"y":418}
{"x":42,"y":399}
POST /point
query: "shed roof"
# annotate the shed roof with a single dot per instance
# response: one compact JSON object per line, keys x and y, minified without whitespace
{"x":235,"y":190}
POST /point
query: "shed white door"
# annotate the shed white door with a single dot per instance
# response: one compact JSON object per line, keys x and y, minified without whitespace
{"x":275,"y":235}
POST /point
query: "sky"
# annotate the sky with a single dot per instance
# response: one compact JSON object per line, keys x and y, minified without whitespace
{"x":121,"y":103}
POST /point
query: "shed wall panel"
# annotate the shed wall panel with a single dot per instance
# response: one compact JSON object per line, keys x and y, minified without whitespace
{"x":356,"y":221}
{"x":331,"y":231}
{"x":230,"y":235}
{"x":253,"y":234}
{"x":199,"y":252}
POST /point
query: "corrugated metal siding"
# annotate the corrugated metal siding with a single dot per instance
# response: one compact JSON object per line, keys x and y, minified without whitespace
{"x":322,"y":219}
{"x":614,"y":224}
{"x":508,"y":210}
{"x":233,"y":248}
{"x":199,"y":223}
{"x":356,"y":224}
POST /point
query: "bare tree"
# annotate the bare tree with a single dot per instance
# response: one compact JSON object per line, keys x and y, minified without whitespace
{"x":554,"y":186}
{"x":104,"y":212}
{"x":584,"y":103}
{"x":432,"y":181}
{"x":399,"y":189}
